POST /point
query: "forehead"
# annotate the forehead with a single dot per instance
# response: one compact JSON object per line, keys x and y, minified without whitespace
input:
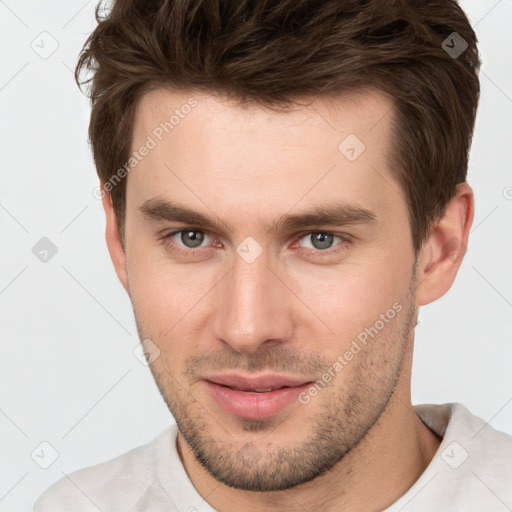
{"x":211,"y":151}
{"x":359,"y":111}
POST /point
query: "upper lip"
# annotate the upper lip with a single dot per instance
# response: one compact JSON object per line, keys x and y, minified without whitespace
{"x":250,"y":383}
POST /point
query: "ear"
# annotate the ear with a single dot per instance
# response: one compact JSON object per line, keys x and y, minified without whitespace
{"x":441,"y":254}
{"x":115,"y":246}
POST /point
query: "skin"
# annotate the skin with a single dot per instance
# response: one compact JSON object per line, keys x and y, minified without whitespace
{"x":357,"y":445}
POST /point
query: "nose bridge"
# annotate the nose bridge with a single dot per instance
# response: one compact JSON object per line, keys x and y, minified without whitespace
{"x":247,"y":313}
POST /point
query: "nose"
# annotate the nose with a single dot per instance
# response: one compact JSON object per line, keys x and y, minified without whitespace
{"x":254,"y":307}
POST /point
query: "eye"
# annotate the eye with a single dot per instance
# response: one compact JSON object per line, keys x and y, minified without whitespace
{"x":191,"y":239}
{"x":192,"y":242}
{"x":320,"y":240}
{"x":187,"y":238}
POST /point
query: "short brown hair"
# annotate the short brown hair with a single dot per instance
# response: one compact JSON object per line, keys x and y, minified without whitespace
{"x":275,"y":52}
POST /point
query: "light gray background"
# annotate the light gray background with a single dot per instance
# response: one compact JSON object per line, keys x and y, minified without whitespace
{"x":68,"y":375}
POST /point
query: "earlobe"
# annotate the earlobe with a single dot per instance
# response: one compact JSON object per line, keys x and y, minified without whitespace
{"x":113,"y":238}
{"x":443,"y":251}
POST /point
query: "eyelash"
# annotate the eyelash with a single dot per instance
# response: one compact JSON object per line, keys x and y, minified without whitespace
{"x":166,"y":240}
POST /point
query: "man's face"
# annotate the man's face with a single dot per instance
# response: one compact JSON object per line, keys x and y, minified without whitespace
{"x":254,"y":301}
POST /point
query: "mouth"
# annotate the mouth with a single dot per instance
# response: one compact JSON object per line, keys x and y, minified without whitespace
{"x":254,"y":398}
{"x":266,"y":390}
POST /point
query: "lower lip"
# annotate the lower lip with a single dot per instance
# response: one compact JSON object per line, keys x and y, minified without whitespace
{"x":254,"y":406}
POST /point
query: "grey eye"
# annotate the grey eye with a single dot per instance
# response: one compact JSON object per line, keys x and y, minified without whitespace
{"x":318,"y":240}
{"x":322,"y":240}
{"x":192,"y":239}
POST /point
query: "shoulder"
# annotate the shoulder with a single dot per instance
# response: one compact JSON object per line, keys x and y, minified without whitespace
{"x":472,"y":469}
{"x":468,"y":437}
{"x":486,"y":451}
{"x":123,"y":483}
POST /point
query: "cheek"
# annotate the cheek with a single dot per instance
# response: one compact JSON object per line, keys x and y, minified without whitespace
{"x":166,"y":297}
{"x":164,"y":304}
{"x":352,"y":298}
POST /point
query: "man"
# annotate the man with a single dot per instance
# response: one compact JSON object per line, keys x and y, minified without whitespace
{"x":284,"y":185}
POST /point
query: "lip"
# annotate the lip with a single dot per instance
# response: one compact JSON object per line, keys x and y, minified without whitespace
{"x":251,"y":383}
{"x":236,"y":394}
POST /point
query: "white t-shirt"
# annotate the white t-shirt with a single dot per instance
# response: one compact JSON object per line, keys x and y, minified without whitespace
{"x":471,"y":472}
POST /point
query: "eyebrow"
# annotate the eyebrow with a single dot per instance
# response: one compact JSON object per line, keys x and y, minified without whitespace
{"x":338,"y":214}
